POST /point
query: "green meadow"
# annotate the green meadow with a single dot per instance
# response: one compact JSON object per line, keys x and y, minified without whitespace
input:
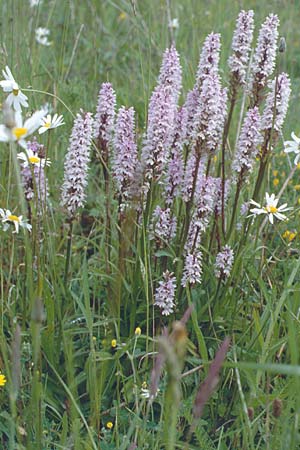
{"x":87,"y":359}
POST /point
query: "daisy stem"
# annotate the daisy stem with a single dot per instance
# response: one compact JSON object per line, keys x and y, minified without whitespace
{"x":51,"y":95}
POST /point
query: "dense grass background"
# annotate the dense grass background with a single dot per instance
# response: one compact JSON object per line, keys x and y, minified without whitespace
{"x":70,"y":372}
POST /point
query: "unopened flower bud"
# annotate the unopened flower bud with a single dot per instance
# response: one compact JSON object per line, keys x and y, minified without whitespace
{"x":282,"y":45}
{"x":250,"y":411}
{"x":277,"y":407}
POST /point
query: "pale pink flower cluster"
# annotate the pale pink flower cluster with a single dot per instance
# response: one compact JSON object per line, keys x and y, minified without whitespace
{"x":125,"y":157}
{"x":224,"y":262}
{"x":192,"y":271}
{"x":105,"y":116}
{"x":170,"y":75}
{"x":165,"y":294}
{"x":77,"y":164}
{"x":163,"y":225}
{"x":174,"y":171}
{"x":241,"y":46}
{"x":208,"y":108}
{"x":265,"y":53}
{"x":276,"y":109}
{"x":248,"y":144}
{"x":205,"y":198}
{"x":209,"y":58}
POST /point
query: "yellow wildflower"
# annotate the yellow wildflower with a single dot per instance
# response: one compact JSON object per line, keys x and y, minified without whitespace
{"x":2,"y":380}
{"x":289,"y":235}
{"x":275,"y":181}
{"x":275,"y":173}
{"x":114,"y":343}
{"x":122,"y":16}
{"x":138,"y":331}
{"x":297,"y":187}
{"x":109,"y":425}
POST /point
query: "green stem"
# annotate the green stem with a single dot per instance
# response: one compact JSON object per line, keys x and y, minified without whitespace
{"x":69,"y":249}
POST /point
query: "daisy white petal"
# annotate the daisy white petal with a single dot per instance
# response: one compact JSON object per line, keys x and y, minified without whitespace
{"x":6,"y":85}
{"x":16,"y":98}
{"x":16,"y":221}
{"x":295,"y":138}
{"x":49,"y":123}
{"x":254,"y":203}
{"x":29,"y":157}
{"x":271,"y":208}
{"x":293,"y":146}
{"x":7,"y":74}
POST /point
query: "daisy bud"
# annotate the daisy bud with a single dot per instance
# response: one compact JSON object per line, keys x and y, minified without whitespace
{"x":165,"y":293}
{"x":241,"y":46}
{"x":76,"y":164}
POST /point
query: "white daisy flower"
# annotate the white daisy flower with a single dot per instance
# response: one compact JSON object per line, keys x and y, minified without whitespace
{"x":8,"y":218}
{"x":34,"y":3}
{"x":41,"y":36}
{"x":293,"y":146}
{"x":21,"y":130}
{"x":174,"y":23}
{"x":16,"y":98}
{"x":29,"y":157}
{"x":49,"y":123}
{"x":270,"y":209}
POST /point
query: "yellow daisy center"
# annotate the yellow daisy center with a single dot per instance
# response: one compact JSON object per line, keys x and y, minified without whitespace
{"x":13,"y":218}
{"x":47,"y":124}
{"x":19,"y":132}
{"x":271,"y":209}
{"x":15,"y":92}
{"x":34,"y":159}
